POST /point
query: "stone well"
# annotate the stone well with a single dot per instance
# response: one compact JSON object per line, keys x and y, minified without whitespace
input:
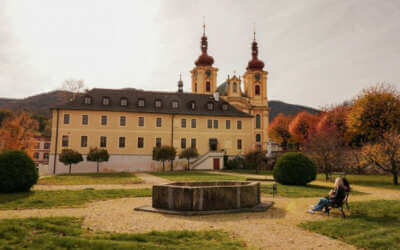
{"x":206,"y":196}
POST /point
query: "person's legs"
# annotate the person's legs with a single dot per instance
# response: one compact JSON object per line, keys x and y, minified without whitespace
{"x":321,"y":204}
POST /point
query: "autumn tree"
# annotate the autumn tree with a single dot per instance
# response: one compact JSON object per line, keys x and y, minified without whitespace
{"x":18,"y":132}
{"x":278,"y":130}
{"x":325,"y":148}
{"x":69,"y":157}
{"x":255,"y":159}
{"x":375,"y":112}
{"x":334,"y":118}
{"x":385,"y":154}
{"x":4,"y":113}
{"x":98,"y":155}
{"x":188,"y":154}
{"x":302,"y":126}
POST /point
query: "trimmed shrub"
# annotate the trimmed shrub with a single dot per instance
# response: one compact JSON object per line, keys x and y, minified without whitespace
{"x":17,"y":172}
{"x":294,"y":169}
{"x":235,"y":163}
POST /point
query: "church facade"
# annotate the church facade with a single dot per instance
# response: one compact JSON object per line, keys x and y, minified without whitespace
{"x":227,"y":119}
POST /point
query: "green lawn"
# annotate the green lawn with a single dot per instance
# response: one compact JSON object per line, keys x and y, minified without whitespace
{"x":86,"y":179}
{"x":196,"y":176}
{"x":67,"y":233}
{"x":371,"y":225}
{"x":250,"y":171}
{"x":65,"y":198}
{"x":383,"y":181}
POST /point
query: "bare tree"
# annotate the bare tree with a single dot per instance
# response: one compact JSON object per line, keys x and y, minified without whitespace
{"x":325,"y":148}
{"x":385,"y":154}
{"x":75,"y":86}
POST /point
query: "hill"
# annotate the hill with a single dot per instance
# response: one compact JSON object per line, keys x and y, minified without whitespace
{"x":41,"y":104}
{"x":287,"y":109}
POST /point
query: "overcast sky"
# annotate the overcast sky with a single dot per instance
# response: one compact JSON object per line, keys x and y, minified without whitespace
{"x":317,"y":52}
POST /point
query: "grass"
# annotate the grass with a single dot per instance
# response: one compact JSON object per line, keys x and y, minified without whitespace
{"x":372,"y":225}
{"x":65,"y":198}
{"x":86,"y":179}
{"x":250,"y":171}
{"x":382,"y":181}
{"x":196,"y":176}
{"x":300,"y":191}
{"x":67,"y":233}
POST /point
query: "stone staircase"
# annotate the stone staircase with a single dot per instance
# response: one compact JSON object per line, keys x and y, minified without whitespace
{"x":204,"y":162}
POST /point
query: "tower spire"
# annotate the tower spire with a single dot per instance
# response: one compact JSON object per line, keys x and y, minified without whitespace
{"x":180,"y":84}
{"x":204,"y":26}
{"x":254,"y":31}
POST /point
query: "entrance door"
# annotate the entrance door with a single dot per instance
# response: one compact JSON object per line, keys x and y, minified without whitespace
{"x":216,"y":163}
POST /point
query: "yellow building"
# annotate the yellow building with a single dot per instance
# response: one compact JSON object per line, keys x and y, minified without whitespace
{"x":216,"y":120}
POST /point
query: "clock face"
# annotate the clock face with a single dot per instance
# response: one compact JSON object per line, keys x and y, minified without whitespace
{"x":257,"y":76}
{"x":208,"y":73}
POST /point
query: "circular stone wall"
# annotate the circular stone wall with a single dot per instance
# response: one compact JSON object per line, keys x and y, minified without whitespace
{"x":205,"y":196}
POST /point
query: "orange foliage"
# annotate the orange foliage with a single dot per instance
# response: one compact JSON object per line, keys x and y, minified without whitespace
{"x":278,"y":129}
{"x":375,"y":112}
{"x":17,"y":133}
{"x":334,"y":119}
{"x":302,"y":126}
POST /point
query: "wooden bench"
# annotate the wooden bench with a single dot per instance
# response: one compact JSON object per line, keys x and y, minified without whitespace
{"x":339,"y":205}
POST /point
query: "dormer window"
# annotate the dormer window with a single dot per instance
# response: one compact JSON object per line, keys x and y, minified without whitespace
{"x":124,"y":102}
{"x":175,"y":104}
{"x":140,"y":103}
{"x":224,"y":107}
{"x":88,"y":100}
{"x":106,"y":101}
{"x":210,"y":106}
{"x":158,"y":104}
{"x":192,"y":105}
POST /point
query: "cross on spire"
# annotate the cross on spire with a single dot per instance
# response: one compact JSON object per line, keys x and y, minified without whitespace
{"x":204,"y":25}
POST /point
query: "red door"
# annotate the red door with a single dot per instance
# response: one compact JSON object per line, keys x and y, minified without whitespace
{"x":216,"y":164}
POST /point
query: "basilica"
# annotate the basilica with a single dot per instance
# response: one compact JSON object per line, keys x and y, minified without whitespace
{"x":230,"y":119}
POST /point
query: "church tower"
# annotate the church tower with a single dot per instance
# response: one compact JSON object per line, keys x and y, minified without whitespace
{"x":255,"y":78}
{"x":255,"y":88}
{"x":204,"y":75}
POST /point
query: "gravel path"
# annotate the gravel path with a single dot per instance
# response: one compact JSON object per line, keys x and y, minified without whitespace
{"x":273,"y":229}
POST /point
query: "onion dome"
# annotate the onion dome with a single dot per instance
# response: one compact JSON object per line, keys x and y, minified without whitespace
{"x":204,"y":59}
{"x":255,"y":63}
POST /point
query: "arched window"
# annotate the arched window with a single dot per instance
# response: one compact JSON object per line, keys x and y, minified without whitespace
{"x":257,"y":89}
{"x":195,"y":87}
{"x":258,"y":121}
{"x":234,"y":87}
{"x":208,"y":86}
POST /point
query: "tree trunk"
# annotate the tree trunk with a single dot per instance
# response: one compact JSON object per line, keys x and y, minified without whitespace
{"x":326,"y":176}
{"x":97,"y":167}
{"x":395,"y":178}
{"x":188,"y":167}
{"x":70,"y":168}
{"x":172,"y":166}
{"x":163,"y":166}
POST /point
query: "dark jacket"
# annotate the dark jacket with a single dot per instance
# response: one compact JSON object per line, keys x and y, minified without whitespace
{"x":338,"y":195}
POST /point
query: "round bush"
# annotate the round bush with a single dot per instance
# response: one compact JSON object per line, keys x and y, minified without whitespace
{"x":294,"y":169}
{"x":17,"y":172}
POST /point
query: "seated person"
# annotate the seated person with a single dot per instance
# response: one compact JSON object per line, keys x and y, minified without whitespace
{"x":335,"y":195}
{"x":346,"y":185}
